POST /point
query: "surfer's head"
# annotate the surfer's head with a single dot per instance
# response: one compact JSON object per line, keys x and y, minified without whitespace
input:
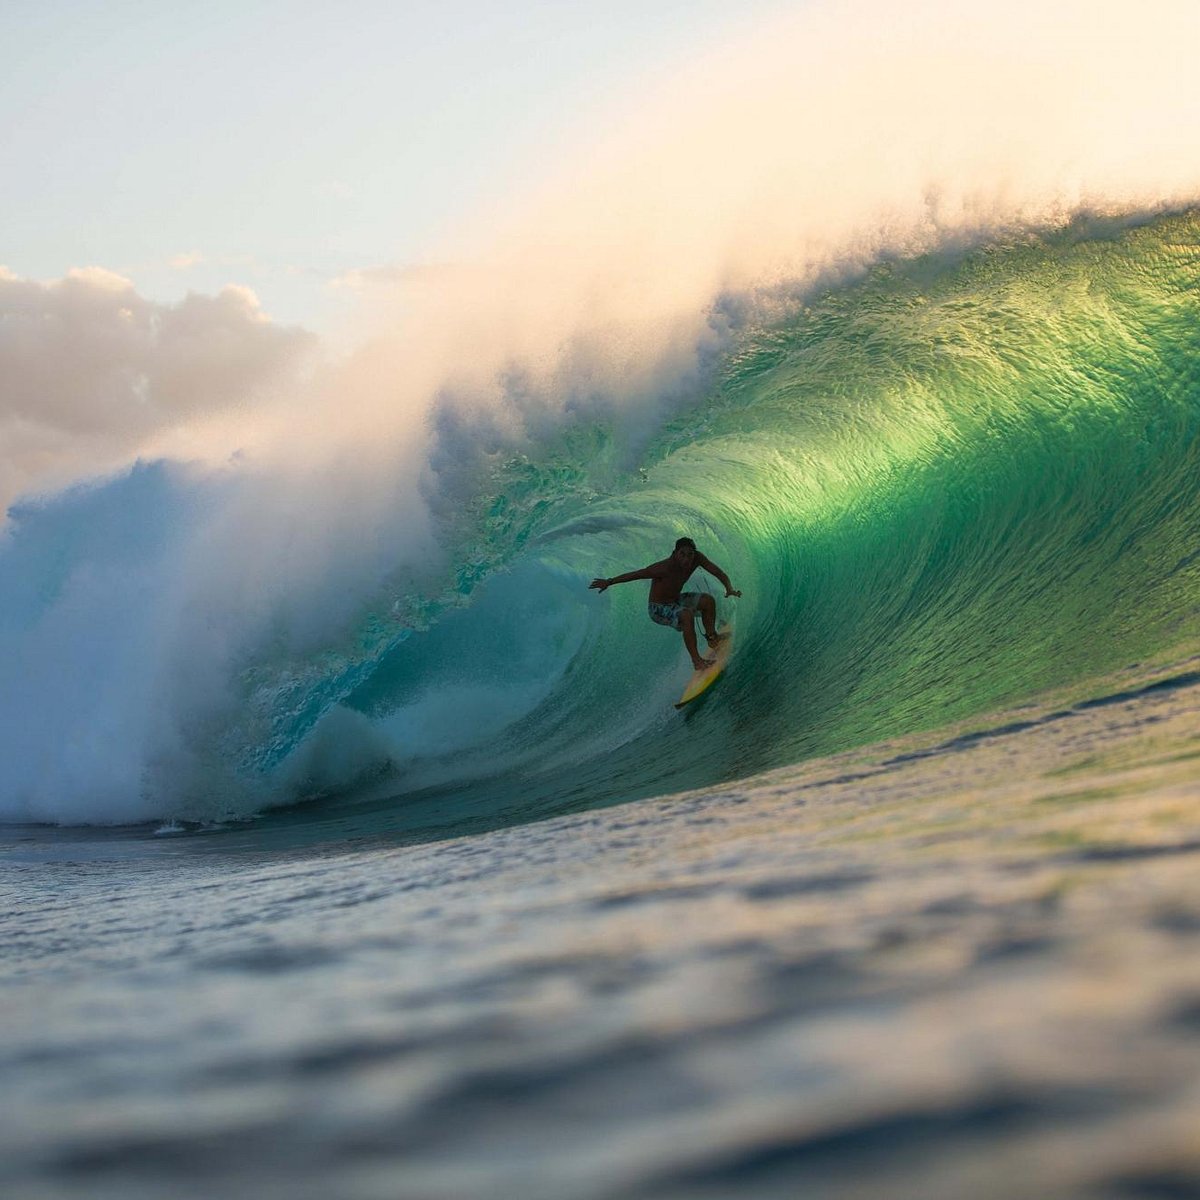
{"x":685,"y":550}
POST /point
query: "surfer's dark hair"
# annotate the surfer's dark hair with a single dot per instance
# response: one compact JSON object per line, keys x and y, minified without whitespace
{"x":685,"y":542}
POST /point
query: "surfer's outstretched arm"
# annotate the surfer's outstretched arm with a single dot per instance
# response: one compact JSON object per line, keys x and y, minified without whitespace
{"x":712,"y":568}
{"x":628,"y":577}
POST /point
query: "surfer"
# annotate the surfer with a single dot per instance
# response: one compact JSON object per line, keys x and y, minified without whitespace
{"x":670,"y":605}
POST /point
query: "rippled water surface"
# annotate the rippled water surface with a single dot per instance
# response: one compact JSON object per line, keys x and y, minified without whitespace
{"x":960,"y":965}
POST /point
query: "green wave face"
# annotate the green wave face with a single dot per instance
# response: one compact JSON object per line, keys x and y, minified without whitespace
{"x":942,"y":489}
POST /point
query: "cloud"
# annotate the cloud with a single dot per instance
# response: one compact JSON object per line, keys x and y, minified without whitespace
{"x":99,"y":278}
{"x":184,"y":262}
{"x":92,"y":373}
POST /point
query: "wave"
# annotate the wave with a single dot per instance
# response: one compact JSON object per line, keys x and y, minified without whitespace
{"x":942,"y":488}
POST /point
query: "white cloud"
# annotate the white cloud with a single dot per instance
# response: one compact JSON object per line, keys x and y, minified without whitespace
{"x":184,"y":262}
{"x":100,"y":278}
{"x":92,"y":373}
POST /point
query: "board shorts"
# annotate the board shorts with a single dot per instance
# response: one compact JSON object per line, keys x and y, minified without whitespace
{"x":671,"y":614}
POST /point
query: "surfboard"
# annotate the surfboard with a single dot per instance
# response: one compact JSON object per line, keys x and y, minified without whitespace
{"x":701,"y":681}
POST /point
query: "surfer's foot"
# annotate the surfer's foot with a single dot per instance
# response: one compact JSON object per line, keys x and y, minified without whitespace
{"x":702,"y":664}
{"x":715,"y":639}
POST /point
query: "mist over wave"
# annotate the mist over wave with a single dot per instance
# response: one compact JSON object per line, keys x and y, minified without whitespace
{"x":379,"y":575}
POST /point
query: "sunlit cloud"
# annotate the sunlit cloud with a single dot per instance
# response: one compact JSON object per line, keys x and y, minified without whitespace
{"x":183,"y":262}
{"x":98,"y":278}
{"x":92,"y":373}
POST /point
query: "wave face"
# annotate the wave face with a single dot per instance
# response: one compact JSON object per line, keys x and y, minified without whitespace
{"x":952,"y":484}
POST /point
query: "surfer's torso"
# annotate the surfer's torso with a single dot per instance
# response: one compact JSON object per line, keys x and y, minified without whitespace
{"x":668,"y":577}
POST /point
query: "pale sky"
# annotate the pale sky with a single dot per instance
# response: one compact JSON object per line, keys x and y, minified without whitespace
{"x":279,"y":144}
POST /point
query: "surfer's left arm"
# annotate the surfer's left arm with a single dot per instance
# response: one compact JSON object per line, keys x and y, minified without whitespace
{"x":712,"y":568}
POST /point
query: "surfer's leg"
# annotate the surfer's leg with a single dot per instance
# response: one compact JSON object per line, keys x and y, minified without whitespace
{"x":708,"y":614}
{"x":687,"y":626}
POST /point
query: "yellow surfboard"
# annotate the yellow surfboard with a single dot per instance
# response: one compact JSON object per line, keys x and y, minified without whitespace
{"x":701,"y":681}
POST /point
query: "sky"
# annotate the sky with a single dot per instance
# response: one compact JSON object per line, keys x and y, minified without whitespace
{"x":293,"y":147}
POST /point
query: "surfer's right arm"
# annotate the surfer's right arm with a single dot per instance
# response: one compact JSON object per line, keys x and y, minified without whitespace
{"x":629,"y":576}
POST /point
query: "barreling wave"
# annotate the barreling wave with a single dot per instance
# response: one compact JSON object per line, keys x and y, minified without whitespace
{"x":943,"y":489}
{"x":947,"y":486}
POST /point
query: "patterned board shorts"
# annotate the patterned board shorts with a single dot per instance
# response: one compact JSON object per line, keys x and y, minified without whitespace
{"x":669,"y":614}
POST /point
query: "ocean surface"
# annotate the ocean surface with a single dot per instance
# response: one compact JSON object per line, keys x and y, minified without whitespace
{"x":452,"y":902}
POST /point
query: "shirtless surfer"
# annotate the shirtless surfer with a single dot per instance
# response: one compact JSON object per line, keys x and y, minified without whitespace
{"x":671,"y":605}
